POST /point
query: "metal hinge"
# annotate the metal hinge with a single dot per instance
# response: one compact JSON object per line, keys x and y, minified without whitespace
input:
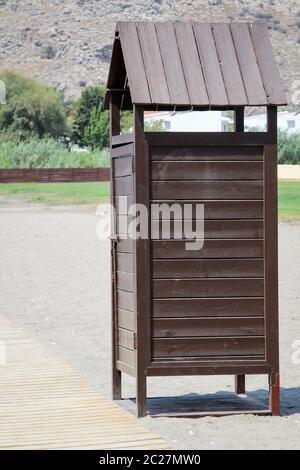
{"x":134,"y":340}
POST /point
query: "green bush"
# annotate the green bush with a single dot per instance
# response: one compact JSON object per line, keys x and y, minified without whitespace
{"x":91,"y":124}
{"x":289,"y":148}
{"x":31,"y":109}
{"x":48,"y":153}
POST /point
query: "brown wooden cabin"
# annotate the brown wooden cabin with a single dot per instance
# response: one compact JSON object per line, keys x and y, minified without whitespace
{"x":212,"y":311}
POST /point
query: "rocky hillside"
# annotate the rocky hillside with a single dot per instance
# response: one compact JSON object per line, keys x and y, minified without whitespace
{"x":68,"y":43}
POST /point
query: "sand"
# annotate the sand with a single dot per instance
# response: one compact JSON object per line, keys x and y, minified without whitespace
{"x":55,"y":283}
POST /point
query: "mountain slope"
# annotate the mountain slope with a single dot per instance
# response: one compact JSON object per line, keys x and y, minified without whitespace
{"x":68,"y":44}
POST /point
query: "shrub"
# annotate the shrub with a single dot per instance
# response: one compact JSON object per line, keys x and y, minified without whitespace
{"x":91,"y":124}
{"x":289,"y":148}
{"x":31,"y":108}
{"x":48,"y":153}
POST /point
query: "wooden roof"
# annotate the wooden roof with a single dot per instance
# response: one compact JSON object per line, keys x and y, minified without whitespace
{"x":194,"y":65}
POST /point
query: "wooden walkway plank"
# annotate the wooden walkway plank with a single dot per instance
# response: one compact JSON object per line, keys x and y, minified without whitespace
{"x":44,"y":404}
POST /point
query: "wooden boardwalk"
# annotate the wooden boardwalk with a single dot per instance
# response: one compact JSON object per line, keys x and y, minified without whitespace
{"x":44,"y":404}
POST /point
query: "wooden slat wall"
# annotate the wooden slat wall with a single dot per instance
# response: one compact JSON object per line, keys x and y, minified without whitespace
{"x":53,"y":175}
{"x":198,"y":64}
{"x":209,"y":303}
{"x":123,"y":183}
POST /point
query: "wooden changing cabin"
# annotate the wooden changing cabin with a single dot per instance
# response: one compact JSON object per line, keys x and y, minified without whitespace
{"x":215,"y":310}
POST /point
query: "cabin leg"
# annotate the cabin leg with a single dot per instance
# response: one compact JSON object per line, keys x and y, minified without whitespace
{"x":116,"y":384}
{"x":240,"y":384}
{"x":274,"y":394}
{"x":141,"y":395}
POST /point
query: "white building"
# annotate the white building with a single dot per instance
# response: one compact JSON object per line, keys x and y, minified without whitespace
{"x":287,"y":121}
{"x":190,"y":121}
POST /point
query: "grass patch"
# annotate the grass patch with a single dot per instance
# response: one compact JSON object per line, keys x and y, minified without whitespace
{"x":55,"y":193}
{"x":94,"y":193}
{"x":289,"y":200}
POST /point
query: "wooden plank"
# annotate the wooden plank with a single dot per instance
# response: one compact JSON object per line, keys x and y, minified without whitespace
{"x":126,"y":339}
{"x":127,"y":356}
{"x":125,"y":246}
{"x":123,"y":186}
{"x":267,"y":64}
{"x":206,"y":190}
{"x":125,"y":281}
{"x":125,"y":300}
{"x":172,"y":63}
{"x":271,"y":255}
{"x":134,"y":63}
{"x":228,"y":365}
{"x":191,"y":63}
{"x":212,"y":228}
{"x":230,"y":210}
{"x":191,"y":170}
{"x":208,"y":307}
{"x":215,"y":139}
{"x":201,"y":347}
{"x":142,"y":262}
{"x":190,"y":268}
{"x":210,"y":64}
{"x":125,"y":262}
{"x":126,"y":319}
{"x":248,"y":64}
{"x":232,"y":287}
{"x":153,"y":63}
{"x":122,"y":151}
{"x":178,"y":327}
{"x":202,"y":153}
{"x":166,"y":249}
{"x":122,"y":166}
{"x":229,"y":65}
{"x":122,"y":139}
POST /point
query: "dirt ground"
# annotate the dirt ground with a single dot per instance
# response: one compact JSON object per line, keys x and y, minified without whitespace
{"x":55,"y":283}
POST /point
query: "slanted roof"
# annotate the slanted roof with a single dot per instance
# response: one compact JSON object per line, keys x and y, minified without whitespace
{"x":195,"y":65}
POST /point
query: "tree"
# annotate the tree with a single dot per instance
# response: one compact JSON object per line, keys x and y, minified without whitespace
{"x":91,"y":125}
{"x":31,"y":108}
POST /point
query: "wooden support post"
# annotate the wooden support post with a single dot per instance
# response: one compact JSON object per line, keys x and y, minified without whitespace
{"x":274,"y":394}
{"x":142,"y":263}
{"x":240,"y":384}
{"x":239,"y":127}
{"x":114,"y":112}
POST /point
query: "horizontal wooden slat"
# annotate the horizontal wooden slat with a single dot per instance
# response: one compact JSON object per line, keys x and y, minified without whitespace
{"x":204,"y":347}
{"x":202,"y":153}
{"x":123,"y":185}
{"x":125,"y":246}
{"x":126,"y":338}
{"x":162,"y":288}
{"x":212,"y":229}
{"x":125,"y":300}
{"x":206,"y":190}
{"x":207,"y":138}
{"x":189,"y":268}
{"x":179,"y":327}
{"x":125,"y":262}
{"x":127,"y":356}
{"x":181,"y":170}
{"x":122,"y":166}
{"x":222,"y":209}
{"x":122,"y":139}
{"x":197,"y":307}
{"x":162,"y":249}
{"x":122,"y":151}
{"x":125,"y":281}
{"x":126,"y":320}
